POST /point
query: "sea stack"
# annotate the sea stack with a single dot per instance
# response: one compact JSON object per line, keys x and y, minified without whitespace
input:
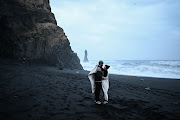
{"x":29,"y":30}
{"x":85,"y":57}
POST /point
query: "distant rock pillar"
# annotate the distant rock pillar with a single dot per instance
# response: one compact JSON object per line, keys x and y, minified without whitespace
{"x":85,"y":57}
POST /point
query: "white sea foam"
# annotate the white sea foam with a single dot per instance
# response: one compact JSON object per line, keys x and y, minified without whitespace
{"x":162,"y":69}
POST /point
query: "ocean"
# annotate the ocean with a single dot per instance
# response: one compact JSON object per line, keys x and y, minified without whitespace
{"x":145,"y":68}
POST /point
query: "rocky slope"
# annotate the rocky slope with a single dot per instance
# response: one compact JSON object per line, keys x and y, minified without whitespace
{"x":29,"y":30}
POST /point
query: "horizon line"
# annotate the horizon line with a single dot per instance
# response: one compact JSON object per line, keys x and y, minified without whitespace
{"x":139,"y":60}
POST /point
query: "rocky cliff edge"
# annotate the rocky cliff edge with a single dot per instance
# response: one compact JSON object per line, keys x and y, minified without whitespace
{"x":29,"y":30}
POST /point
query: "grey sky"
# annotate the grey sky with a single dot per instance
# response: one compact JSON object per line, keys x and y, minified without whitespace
{"x":121,"y":29}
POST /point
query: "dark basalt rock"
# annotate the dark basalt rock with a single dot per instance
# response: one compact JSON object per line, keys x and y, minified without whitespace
{"x":85,"y":57}
{"x":29,"y":30}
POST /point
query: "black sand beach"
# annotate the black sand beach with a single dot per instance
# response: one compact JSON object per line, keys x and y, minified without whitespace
{"x":41,"y":92}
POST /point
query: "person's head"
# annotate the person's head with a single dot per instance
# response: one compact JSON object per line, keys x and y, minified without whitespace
{"x":106,"y":67}
{"x":101,"y":63}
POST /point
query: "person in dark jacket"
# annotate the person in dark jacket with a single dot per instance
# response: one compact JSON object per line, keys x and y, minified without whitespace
{"x":99,"y":79}
{"x":98,"y":82}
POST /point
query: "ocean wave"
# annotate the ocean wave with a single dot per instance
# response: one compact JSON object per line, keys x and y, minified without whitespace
{"x":163,"y":69}
{"x":166,"y":63}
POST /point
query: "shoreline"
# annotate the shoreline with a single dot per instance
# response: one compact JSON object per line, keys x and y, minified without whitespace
{"x":148,"y":76}
{"x":44,"y":92}
{"x":152,"y":82}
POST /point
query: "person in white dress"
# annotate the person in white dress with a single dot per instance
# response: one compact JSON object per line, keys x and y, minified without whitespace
{"x":99,"y":82}
{"x":105,"y":83}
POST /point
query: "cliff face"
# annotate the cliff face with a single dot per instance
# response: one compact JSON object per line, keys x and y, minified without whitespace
{"x":28,"y":29}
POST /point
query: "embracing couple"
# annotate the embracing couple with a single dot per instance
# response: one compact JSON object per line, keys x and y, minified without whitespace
{"x":99,"y":79}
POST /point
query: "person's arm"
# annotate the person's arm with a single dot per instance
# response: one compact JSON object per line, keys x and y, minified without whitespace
{"x":93,"y":71}
{"x":104,"y":78}
{"x":105,"y":74}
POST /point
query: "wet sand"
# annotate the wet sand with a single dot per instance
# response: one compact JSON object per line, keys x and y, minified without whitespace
{"x":36,"y":92}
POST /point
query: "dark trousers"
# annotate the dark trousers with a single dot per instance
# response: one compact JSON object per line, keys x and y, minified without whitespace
{"x":97,"y":90}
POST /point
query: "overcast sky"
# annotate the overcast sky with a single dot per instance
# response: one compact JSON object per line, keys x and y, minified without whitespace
{"x":121,"y":29}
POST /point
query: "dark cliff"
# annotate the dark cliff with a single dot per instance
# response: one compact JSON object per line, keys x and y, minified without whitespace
{"x":28,"y":29}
